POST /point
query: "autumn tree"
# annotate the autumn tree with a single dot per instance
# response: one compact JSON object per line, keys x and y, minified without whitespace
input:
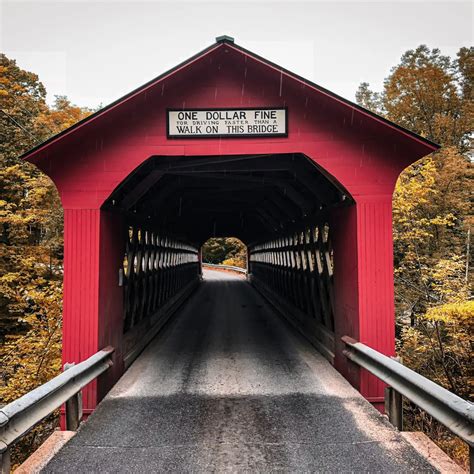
{"x":30,"y":211}
{"x":225,"y":250}
{"x":30,"y":235}
{"x":432,"y":95}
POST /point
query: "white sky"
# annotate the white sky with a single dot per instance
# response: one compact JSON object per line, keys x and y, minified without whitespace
{"x":95,"y":52}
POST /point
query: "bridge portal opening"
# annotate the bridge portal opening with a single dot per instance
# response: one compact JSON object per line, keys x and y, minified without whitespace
{"x":251,"y":197}
{"x":278,"y":206}
{"x":229,"y":251}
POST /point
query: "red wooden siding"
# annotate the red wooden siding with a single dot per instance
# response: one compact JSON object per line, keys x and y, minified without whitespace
{"x":81,"y":291}
{"x":362,"y":153}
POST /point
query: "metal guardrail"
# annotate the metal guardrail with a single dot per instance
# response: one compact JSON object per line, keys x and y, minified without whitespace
{"x":452,"y":411}
{"x":19,"y":417}
{"x":225,"y":267}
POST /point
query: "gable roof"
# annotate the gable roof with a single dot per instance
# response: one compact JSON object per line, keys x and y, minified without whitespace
{"x":221,"y":42}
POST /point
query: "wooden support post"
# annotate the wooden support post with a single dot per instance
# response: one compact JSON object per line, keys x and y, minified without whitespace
{"x":74,"y":412}
{"x":73,"y":408}
{"x":394,"y":407}
{"x":247,"y":261}
{"x":5,"y":464}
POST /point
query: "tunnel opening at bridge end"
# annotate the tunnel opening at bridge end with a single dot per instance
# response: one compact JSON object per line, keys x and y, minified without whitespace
{"x":225,"y":251}
{"x":280,"y":206}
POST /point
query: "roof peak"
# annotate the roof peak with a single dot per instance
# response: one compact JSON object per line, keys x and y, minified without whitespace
{"x":224,"y":39}
{"x":229,"y":40}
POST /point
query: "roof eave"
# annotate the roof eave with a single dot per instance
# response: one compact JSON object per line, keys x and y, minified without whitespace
{"x":344,"y":101}
{"x":221,"y":42}
{"x":30,"y":154}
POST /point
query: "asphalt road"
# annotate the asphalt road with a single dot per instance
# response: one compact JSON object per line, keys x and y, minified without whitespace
{"x":228,"y":386}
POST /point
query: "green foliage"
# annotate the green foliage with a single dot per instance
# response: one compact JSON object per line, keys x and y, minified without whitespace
{"x":225,"y":250}
{"x":369,"y":99}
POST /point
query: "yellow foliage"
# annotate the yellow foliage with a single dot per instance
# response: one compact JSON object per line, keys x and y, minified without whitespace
{"x":235,"y":262}
{"x":454,"y":313}
{"x":30,"y":242}
{"x":432,"y":95}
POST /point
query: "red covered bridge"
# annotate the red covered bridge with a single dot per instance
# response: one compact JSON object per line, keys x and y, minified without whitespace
{"x":228,"y":144}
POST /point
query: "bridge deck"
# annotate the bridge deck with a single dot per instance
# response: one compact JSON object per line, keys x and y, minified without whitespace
{"x":229,"y":386}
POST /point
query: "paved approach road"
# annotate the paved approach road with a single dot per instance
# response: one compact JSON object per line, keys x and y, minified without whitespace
{"x":228,"y":386}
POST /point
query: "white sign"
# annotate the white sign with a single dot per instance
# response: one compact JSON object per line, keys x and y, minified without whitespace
{"x":199,"y":123}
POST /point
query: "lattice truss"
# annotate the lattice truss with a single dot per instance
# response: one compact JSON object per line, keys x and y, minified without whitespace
{"x":155,"y":268}
{"x":299,"y":268}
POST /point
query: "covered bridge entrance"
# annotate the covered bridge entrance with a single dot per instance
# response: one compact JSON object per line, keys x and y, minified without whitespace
{"x":228,"y":144}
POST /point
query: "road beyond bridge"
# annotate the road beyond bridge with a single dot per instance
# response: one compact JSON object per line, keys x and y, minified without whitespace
{"x":227,"y":385}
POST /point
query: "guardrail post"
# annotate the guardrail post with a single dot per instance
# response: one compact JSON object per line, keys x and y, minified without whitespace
{"x":5,"y":462}
{"x":73,"y":408}
{"x":394,"y":407}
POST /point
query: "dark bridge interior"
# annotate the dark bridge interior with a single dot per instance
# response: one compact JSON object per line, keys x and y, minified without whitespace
{"x":278,"y":205}
{"x":251,"y":197}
